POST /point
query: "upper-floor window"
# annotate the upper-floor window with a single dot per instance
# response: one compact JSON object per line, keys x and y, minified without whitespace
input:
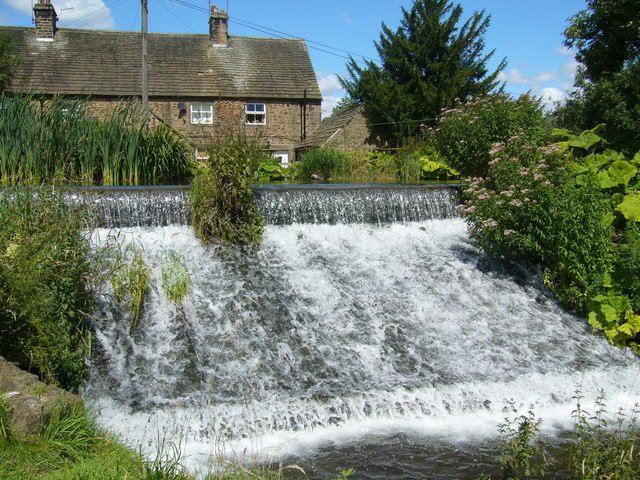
{"x":202,"y":113}
{"x":256,"y":113}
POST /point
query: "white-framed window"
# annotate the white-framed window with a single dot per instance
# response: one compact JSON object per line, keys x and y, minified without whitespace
{"x":282,"y":156}
{"x":256,"y":113}
{"x":201,"y":113}
{"x":201,"y":154}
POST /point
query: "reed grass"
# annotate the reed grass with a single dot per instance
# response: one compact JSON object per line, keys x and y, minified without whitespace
{"x":176,"y":281}
{"x":57,"y":141}
{"x":5,"y":431}
{"x":131,"y":280}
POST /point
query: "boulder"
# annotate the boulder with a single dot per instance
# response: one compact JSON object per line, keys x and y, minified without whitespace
{"x":30,"y":401}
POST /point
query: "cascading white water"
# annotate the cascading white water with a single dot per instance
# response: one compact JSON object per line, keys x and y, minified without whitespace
{"x":339,"y":334}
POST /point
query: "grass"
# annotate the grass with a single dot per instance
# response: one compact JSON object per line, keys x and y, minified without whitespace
{"x":74,"y":448}
{"x":131,"y":280}
{"x":598,"y":449}
{"x":176,"y":281}
{"x":58,"y":141}
{"x":44,"y":288}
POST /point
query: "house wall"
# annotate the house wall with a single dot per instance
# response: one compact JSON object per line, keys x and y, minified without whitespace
{"x":352,"y":136}
{"x":282,"y":130}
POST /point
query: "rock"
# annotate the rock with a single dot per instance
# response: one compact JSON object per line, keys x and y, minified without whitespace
{"x":30,"y":401}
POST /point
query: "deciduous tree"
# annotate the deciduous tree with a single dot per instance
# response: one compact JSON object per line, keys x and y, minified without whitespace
{"x":606,"y":36}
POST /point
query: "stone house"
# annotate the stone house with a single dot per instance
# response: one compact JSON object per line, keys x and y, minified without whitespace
{"x":345,"y":130}
{"x":198,"y":84}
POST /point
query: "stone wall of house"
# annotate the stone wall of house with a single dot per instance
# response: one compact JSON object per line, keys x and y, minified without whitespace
{"x":352,"y":136}
{"x":283,"y":129}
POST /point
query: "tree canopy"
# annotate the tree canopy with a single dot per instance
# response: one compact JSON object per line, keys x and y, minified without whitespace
{"x":425,"y":65}
{"x":606,"y":36}
{"x":9,"y":60}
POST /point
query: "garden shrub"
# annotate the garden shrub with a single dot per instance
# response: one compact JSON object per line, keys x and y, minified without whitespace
{"x":270,"y":170}
{"x":221,"y":199}
{"x":324,"y":162}
{"x":571,"y":207}
{"x":465,"y":134}
{"x":529,"y":205}
{"x":44,"y":287}
{"x":366,"y":166}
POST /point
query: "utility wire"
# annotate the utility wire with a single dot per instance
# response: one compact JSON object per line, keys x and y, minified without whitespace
{"x":93,"y":14}
{"x":161,"y":3}
{"x":280,"y":34}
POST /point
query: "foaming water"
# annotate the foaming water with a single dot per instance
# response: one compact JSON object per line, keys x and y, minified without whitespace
{"x":337,"y":335}
{"x":121,"y":207}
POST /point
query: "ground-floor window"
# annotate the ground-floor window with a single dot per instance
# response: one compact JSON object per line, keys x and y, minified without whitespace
{"x":201,"y":113}
{"x":282,"y":156}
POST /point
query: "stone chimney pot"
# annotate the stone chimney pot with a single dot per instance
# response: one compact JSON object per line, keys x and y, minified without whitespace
{"x":45,"y":18}
{"x":218,"y":27}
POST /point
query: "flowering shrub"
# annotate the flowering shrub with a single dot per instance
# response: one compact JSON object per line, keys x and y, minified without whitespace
{"x":576,"y":211}
{"x":466,"y":133}
{"x":529,"y":205}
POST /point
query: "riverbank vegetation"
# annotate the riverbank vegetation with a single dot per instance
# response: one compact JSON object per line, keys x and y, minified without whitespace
{"x":45,"y":294}
{"x":221,"y":199}
{"x":59,"y":142}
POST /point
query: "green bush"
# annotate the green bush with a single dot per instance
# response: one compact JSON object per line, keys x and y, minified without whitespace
{"x":131,"y":280}
{"x":365,"y":166}
{"x":466,"y":133}
{"x":44,"y":287}
{"x":271,"y":171}
{"x":221,"y":199}
{"x":325,"y":163}
{"x":574,"y":208}
{"x":529,"y":205}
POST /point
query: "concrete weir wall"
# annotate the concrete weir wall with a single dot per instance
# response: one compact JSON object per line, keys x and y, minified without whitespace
{"x":31,"y":402}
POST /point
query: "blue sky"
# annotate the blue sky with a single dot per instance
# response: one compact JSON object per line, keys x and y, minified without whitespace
{"x":527,"y":32}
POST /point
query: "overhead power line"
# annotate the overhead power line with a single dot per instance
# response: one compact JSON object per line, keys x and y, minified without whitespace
{"x":280,"y":34}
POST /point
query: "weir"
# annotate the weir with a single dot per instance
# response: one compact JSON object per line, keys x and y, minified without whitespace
{"x":280,"y":205}
{"x":369,"y":344}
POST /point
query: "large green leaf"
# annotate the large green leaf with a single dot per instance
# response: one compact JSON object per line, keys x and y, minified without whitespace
{"x":630,"y":207}
{"x":632,"y":326}
{"x":585,"y":140}
{"x":619,"y":173}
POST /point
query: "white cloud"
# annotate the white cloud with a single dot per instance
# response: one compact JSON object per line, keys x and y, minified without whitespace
{"x":346,"y":18}
{"x":513,"y":76}
{"x":570,"y":68}
{"x":545,"y":77}
{"x":23,"y":6}
{"x":564,"y":51}
{"x":551,"y":96}
{"x":73,"y":13}
{"x":328,"y":104}
{"x":330,"y":85}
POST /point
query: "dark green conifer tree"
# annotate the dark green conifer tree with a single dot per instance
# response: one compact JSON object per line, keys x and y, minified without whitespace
{"x":428,"y":62}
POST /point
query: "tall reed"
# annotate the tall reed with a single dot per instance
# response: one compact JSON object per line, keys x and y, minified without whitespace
{"x":58,"y":141}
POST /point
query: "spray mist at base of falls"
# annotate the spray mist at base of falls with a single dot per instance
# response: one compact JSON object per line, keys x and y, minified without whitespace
{"x":338,"y":336}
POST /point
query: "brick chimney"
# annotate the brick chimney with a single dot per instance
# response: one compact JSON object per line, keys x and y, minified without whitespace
{"x":46,"y":19}
{"x":218,"y":26}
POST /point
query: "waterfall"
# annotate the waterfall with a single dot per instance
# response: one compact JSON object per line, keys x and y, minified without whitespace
{"x":369,"y":336}
{"x":280,"y":205}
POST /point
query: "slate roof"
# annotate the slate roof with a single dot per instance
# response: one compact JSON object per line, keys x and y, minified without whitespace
{"x":96,"y":62}
{"x":331,"y":125}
